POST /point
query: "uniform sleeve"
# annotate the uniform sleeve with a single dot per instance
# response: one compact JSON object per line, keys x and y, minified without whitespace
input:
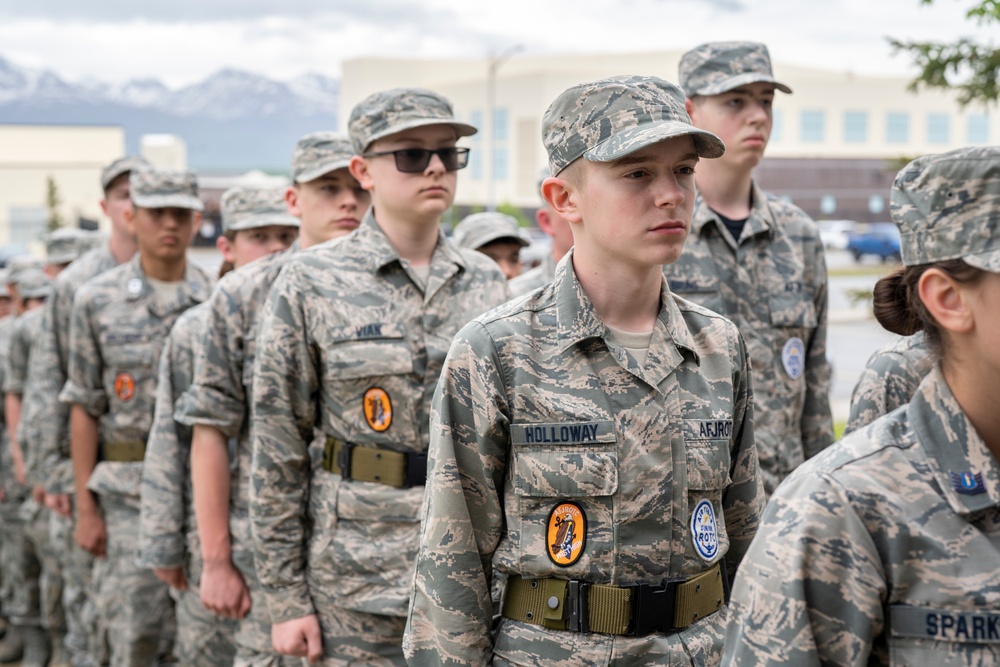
{"x":887,"y":382}
{"x":743,"y":502}
{"x":217,"y":396}
{"x":284,"y":410}
{"x":161,"y":527}
{"x":17,"y":359}
{"x":53,"y":415}
{"x":811,"y":588}
{"x":450,"y":607}
{"x":84,"y":385}
{"x":817,"y":419}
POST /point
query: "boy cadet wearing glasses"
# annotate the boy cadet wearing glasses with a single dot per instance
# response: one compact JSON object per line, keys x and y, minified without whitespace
{"x":351,"y":343}
{"x":330,"y":203}
{"x":592,"y":442}
{"x":757,"y":259}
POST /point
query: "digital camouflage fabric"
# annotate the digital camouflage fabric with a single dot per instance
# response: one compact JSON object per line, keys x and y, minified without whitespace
{"x":772,"y":283}
{"x":539,"y":410}
{"x":390,"y":111}
{"x":889,"y":379}
{"x":320,"y":153}
{"x":717,"y":67}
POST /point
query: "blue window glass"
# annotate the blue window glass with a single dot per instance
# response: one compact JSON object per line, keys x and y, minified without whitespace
{"x":812,"y":130}
{"x":978,"y":129}
{"x":937,"y":128}
{"x":897,"y":127}
{"x":855,"y":127}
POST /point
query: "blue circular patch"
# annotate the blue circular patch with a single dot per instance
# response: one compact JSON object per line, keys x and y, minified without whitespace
{"x":793,"y":358}
{"x":705,"y":530}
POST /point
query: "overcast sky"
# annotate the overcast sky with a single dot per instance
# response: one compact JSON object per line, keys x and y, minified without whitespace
{"x":183,"y":41}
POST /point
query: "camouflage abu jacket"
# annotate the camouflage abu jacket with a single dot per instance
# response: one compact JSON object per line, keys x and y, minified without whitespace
{"x":890,"y":378}
{"x":882,"y":551}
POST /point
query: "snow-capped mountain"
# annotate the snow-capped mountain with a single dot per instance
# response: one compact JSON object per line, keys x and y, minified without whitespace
{"x":232,"y":119}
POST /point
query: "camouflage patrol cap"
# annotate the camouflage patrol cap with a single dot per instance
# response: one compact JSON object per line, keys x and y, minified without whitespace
{"x":320,"y":153}
{"x":608,"y":119}
{"x":251,"y":207}
{"x":947,"y":206}
{"x":33,"y":284}
{"x":391,"y":111}
{"x":717,"y":67}
{"x":121,"y":166}
{"x":19,"y":265}
{"x":478,"y":229}
{"x":161,"y":188}
{"x":66,"y":244}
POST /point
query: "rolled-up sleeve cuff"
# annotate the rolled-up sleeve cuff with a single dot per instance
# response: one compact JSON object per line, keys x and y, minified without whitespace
{"x":210,"y":407}
{"x":12,"y":386}
{"x":93,"y":401}
{"x":161,"y":551}
{"x":287,"y":604}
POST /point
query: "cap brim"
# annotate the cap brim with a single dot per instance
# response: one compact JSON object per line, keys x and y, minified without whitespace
{"x":462,"y":129}
{"x":987,"y":261}
{"x":264,"y":220}
{"x":744,"y":79}
{"x":629,"y":141}
{"x":322,"y":170}
{"x":64,"y":258}
{"x":169,"y":201}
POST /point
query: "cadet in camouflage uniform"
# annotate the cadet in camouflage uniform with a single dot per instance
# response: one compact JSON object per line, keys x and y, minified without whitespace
{"x":119,"y":324}
{"x":352,"y":340}
{"x":562,"y":240}
{"x":84,"y":642}
{"x":590,"y":448}
{"x":889,"y":380}
{"x":497,"y":236}
{"x":757,"y":259}
{"x":37,"y":586}
{"x":255,"y":223}
{"x":330,"y":203}
{"x":10,"y":491}
{"x":884,"y":549}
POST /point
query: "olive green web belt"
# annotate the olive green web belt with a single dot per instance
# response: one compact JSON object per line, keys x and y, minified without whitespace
{"x":638,"y":609}
{"x":368,"y":463}
{"x":123,"y":450}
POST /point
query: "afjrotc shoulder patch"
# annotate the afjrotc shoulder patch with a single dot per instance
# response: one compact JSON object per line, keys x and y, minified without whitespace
{"x":378,"y":409}
{"x":566,"y":536}
{"x":124,"y":386}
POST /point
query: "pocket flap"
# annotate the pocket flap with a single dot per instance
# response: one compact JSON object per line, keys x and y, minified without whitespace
{"x":792,"y":310}
{"x":565,"y":472}
{"x":369,"y":350}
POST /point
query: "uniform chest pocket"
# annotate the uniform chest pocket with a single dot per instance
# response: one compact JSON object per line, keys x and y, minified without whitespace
{"x":565,"y":472}
{"x":919,"y":636}
{"x":707,"y":442}
{"x":793,"y":310}
{"x":369,"y":350}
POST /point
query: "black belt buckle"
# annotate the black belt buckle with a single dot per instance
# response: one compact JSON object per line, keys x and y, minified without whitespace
{"x":344,"y":459}
{"x":416,"y":470}
{"x":652,"y":609}
{"x":577,"y":599}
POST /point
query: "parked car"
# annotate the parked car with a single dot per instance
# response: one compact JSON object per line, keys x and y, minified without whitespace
{"x":880,"y":238}
{"x":834,"y":233}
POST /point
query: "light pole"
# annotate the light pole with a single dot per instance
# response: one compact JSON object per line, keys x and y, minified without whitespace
{"x":491,"y":93}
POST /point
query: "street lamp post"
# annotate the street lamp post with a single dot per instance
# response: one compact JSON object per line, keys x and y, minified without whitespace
{"x":491,"y":93}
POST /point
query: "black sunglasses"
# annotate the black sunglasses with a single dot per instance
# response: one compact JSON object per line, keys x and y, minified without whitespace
{"x":415,"y":160}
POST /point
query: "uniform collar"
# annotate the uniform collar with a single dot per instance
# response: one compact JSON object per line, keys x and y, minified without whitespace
{"x":194,"y":288}
{"x":761,"y":219}
{"x":577,"y":321}
{"x":955,"y":449}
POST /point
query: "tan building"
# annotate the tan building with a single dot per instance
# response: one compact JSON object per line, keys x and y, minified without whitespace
{"x":831,"y":147}
{"x":72,"y":156}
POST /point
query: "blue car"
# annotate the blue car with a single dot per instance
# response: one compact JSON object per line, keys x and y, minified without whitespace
{"x":880,"y":239}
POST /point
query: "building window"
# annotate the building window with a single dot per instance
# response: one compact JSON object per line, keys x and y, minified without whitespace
{"x":937,"y":128}
{"x":978,"y":129}
{"x":500,"y":131}
{"x":897,"y":127}
{"x":855,"y":127}
{"x":476,"y":152}
{"x":499,"y":163}
{"x":777,"y":124}
{"x":812,"y":126}
{"x":27,"y":224}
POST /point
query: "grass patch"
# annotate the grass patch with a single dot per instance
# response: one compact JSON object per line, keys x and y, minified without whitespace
{"x":838,"y":430}
{"x":878,"y":270}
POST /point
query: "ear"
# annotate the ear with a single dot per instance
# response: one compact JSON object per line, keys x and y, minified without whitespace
{"x":544,"y":220}
{"x":292,"y":200}
{"x":561,"y":195}
{"x":196,"y":225}
{"x":225,"y":246}
{"x":691,"y":109}
{"x":130,"y":215}
{"x":947,"y":301}
{"x":104,"y":207}
{"x":361,"y":173}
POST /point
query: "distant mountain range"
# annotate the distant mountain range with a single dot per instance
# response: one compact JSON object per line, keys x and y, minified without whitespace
{"x":233,"y":120}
